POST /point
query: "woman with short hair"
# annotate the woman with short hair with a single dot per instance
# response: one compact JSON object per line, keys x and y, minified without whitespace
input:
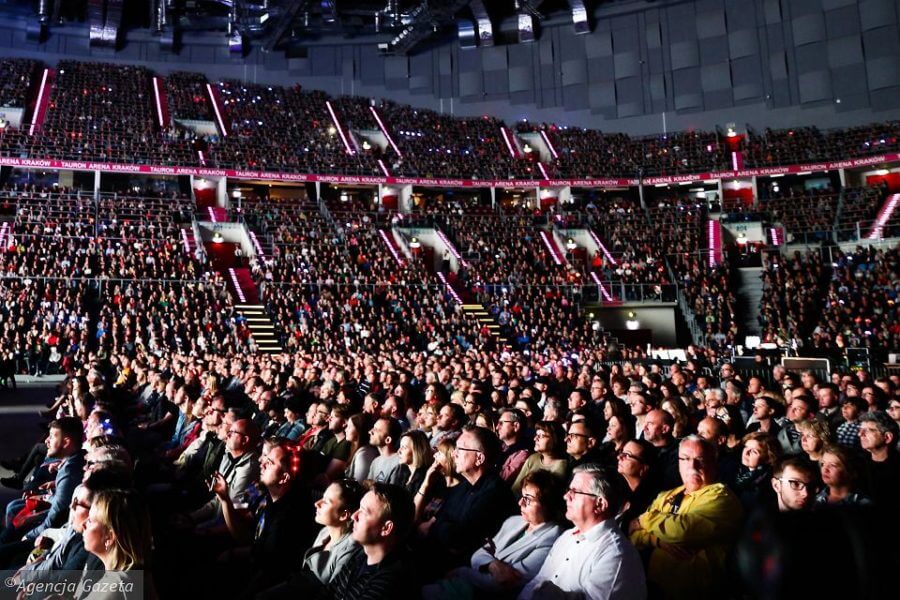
{"x":516,"y":553}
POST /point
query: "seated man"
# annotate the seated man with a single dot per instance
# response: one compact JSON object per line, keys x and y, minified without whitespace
{"x":593,"y":559}
{"x":690,"y":529}
{"x":239,"y":468}
{"x":794,"y":481}
{"x":381,"y":525}
{"x":474,"y":509}
{"x":283,"y":519}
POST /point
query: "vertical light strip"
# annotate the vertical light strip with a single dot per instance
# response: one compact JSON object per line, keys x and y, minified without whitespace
{"x":712,"y":245}
{"x":543,"y":170}
{"x":237,"y":285}
{"x":883,"y":217}
{"x":159,"y":110}
{"x":337,"y":125}
{"x":390,"y":246}
{"x":547,"y":243}
{"x":509,"y":146}
{"x":549,"y":144}
{"x":606,"y":253}
{"x":212,"y":214}
{"x":259,"y":250}
{"x":215,"y":105}
{"x":606,"y":295}
{"x":384,"y":130}
{"x":39,"y":106}
{"x":383,"y":168}
{"x":185,"y":241}
{"x":450,"y":288}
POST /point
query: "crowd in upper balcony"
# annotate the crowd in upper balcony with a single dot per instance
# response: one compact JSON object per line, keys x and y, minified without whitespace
{"x":107,"y":112}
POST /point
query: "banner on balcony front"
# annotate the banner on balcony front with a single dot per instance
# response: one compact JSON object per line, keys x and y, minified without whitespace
{"x":270,"y":176}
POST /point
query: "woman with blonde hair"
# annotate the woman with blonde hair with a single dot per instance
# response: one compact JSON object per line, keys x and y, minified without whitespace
{"x":415,"y":459}
{"x":440,"y":477}
{"x":814,"y":436}
{"x":117,"y":531}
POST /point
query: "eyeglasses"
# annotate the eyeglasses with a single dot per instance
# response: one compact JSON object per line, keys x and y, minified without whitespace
{"x":580,"y":493}
{"x":528,"y":500}
{"x":795,"y":484}
{"x":235,"y":432}
{"x":461,"y":449}
{"x":499,"y":423}
{"x":581,"y":435}
{"x":624,"y":454}
{"x":541,"y":435}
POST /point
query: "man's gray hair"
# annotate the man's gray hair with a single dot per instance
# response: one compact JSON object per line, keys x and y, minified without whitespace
{"x":717,"y":392}
{"x":882,"y":422}
{"x":604,"y":485}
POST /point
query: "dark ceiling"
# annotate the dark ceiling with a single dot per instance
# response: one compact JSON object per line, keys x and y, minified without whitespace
{"x":401,"y":26}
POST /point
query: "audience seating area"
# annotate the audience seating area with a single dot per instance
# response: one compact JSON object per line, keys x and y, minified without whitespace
{"x":106,"y":112}
{"x":16,"y":78}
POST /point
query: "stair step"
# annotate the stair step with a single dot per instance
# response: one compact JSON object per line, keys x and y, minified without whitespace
{"x":472,"y":307}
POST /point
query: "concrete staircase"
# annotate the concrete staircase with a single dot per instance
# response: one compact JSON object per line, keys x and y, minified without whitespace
{"x":478,"y":312}
{"x":749,"y":294}
{"x":260,"y":325}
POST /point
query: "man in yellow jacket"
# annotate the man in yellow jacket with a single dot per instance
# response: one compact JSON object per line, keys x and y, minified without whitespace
{"x":689,"y":530}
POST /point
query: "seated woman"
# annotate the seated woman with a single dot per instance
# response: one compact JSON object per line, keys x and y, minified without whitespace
{"x":415,"y":458}
{"x":634,"y":460}
{"x":549,"y":453}
{"x":516,"y":553}
{"x":619,"y":431}
{"x":758,"y":457}
{"x":441,"y":476}
{"x":839,"y":479}
{"x":814,"y":435}
{"x":117,"y":532}
{"x":333,"y":547}
{"x":362,"y":453}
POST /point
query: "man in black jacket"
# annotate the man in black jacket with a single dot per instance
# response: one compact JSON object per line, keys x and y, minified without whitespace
{"x":381,"y":526}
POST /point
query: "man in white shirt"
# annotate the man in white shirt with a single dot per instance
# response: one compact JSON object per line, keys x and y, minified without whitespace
{"x":594,"y":559}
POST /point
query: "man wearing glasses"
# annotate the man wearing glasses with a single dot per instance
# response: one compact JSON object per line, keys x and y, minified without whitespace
{"x":794,"y":482}
{"x":474,"y":509}
{"x":593,"y":559}
{"x":689,"y":530}
{"x":239,"y":468}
